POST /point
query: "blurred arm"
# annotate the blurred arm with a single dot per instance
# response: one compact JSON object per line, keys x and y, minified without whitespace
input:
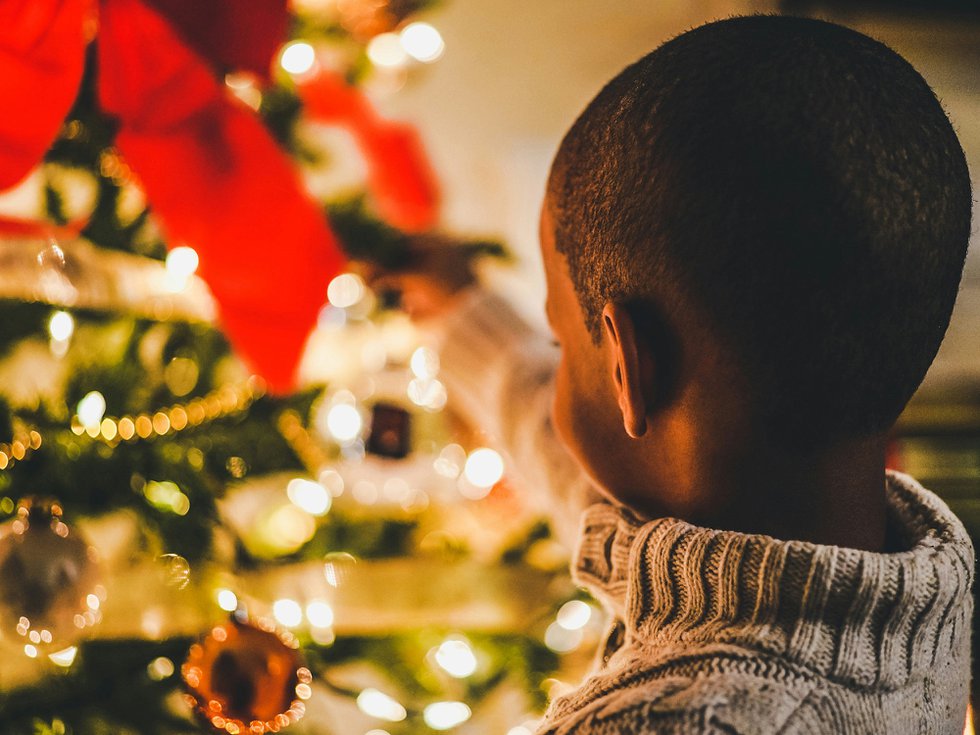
{"x":499,"y":372}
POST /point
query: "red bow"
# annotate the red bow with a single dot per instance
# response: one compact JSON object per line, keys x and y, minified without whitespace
{"x":214,"y":176}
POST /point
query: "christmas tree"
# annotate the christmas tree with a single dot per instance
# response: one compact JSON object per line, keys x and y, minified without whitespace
{"x":233,"y":493}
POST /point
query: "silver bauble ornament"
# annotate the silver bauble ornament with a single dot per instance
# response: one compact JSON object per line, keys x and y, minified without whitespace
{"x":50,"y":591}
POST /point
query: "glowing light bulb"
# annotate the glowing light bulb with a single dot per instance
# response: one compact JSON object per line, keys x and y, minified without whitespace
{"x":182,"y":262}
{"x":287,"y":612}
{"x":484,"y":467}
{"x":456,"y":658}
{"x":378,"y":704}
{"x":319,"y":613}
{"x":91,"y":409}
{"x":422,"y":42}
{"x":386,"y":49}
{"x":61,"y":326}
{"x":227,"y":600}
{"x":345,"y":290}
{"x":297,"y":57}
{"x":308,"y":495}
{"x":444,"y":715}
{"x":574,"y":615}
{"x":344,"y":422}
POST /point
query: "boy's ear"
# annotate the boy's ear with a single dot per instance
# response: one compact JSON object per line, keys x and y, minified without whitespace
{"x":633,"y":368}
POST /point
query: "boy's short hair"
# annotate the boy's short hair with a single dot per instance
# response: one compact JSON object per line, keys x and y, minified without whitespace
{"x":798,"y":185}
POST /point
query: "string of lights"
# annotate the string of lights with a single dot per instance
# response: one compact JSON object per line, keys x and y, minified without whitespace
{"x":291,"y":427}
{"x":220,"y":403}
{"x":20,"y":447}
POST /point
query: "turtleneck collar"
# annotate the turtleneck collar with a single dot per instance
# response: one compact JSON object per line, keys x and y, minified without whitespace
{"x":854,"y":616}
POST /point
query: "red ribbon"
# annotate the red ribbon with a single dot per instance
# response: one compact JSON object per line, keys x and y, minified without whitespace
{"x":213,"y":175}
{"x":399,"y":177}
{"x":219,"y":182}
{"x":42,"y":53}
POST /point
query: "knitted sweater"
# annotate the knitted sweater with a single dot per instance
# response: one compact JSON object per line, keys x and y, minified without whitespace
{"x":724,"y":632}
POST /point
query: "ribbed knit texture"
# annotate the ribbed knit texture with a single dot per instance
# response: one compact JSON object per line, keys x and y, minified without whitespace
{"x":832,"y":640}
{"x":723,"y":632}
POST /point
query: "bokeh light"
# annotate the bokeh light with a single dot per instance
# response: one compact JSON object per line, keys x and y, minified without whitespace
{"x":444,"y":715}
{"x":484,"y":467}
{"x":182,"y":262}
{"x":422,"y":42}
{"x":61,"y":326}
{"x":345,"y":290}
{"x":561,"y":639}
{"x":574,"y":615}
{"x":456,"y":658}
{"x":319,"y":613}
{"x":227,"y":600}
{"x":386,"y":50}
{"x":287,"y":612}
{"x":344,"y":422}
{"x":424,"y":363}
{"x":297,"y":57}
{"x":308,"y":495}
{"x":65,"y":657}
{"x":91,"y":409}
{"x":378,"y":704}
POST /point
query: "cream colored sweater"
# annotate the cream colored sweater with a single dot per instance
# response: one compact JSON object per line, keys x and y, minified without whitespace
{"x":723,"y":632}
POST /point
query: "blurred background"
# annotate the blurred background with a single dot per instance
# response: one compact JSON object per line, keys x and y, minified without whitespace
{"x":515,"y":75}
{"x":233,"y":488}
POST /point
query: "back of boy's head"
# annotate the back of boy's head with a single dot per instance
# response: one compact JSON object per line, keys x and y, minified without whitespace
{"x":795,"y":183}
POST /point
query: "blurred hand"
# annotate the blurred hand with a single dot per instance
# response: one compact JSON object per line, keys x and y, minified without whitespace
{"x":437,"y":269}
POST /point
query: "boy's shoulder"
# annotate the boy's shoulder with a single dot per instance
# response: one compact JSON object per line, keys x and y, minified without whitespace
{"x":723,"y":690}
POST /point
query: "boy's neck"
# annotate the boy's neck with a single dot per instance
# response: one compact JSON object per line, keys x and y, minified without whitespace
{"x":835,"y":496}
